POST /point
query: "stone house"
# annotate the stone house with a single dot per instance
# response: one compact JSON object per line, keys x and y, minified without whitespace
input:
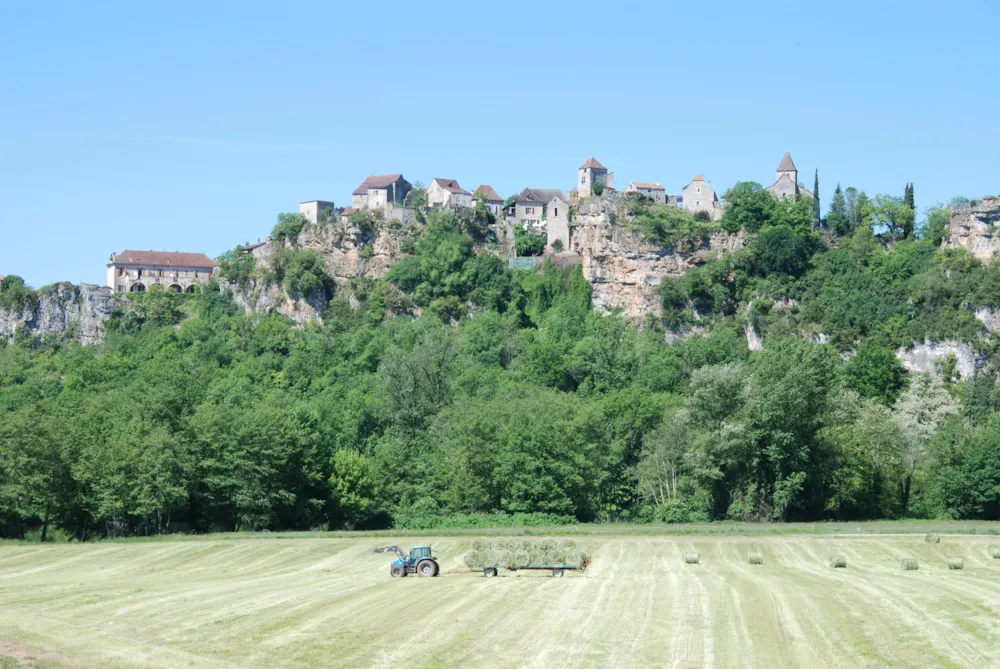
{"x":493,"y":201}
{"x":448,"y":194}
{"x":381,"y":192}
{"x":135,"y":271}
{"x":557,"y":222}
{"x":700,"y":196}
{"x":592,"y":173}
{"x":787,"y":182}
{"x":534,"y":206}
{"x":654,"y":191}
{"x":315,"y":211}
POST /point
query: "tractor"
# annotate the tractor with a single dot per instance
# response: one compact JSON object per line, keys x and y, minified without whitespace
{"x":419,"y":561}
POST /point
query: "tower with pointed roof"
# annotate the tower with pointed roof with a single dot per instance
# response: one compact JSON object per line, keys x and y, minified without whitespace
{"x":592,"y":173}
{"x":787,"y":182}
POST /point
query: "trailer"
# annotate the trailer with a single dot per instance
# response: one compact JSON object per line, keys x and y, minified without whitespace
{"x":558,"y":569}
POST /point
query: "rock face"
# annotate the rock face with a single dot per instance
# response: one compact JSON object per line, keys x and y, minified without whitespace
{"x":624,"y":267}
{"x":972,"y":228}
{"x":350,"y":252}
{"x":76,"y":312}
{"x":927,"y":357}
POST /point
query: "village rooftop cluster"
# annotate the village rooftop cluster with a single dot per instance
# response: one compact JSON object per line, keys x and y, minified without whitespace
{"x":537,"y":210}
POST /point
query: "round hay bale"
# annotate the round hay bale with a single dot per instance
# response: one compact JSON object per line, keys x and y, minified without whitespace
{"x":481,"y":544}
{"x":568,"y":547}
{"x":995,"y":553}
{"x":547,"y":544}
{"x":909,"y":564}
{"x":473,"y":558}
{"x":956,"y":563}
{"x":838,"y":562}
{"x":932,"y":539}
{"x":692,"y":558}
{"x":551,"y":557}
{"x":497,"y":544}
{"x":522,"y":558}
{"x":506,"y":559}
{"x":755,"y":558}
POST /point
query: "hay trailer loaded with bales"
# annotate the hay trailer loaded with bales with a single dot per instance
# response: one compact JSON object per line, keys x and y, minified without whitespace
{"x":514,"y":553}
{"x":419,"y":561}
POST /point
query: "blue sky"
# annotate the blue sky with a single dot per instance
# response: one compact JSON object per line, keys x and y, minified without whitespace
{"x":190,"y":125}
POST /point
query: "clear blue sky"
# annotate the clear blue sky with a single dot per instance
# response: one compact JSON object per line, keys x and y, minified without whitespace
{"x":190,"y":125}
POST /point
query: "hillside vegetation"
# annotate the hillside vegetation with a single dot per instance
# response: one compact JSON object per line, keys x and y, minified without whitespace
{"x":456,"y":387}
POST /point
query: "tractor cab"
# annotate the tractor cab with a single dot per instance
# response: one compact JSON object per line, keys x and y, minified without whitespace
{"x":418,"y":553}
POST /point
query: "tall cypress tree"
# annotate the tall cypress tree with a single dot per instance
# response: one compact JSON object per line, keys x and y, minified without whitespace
{"x":908,"y":197}
{"x":816,"y":210}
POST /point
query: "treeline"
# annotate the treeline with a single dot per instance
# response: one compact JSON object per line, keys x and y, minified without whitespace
{"x":510,"y":395}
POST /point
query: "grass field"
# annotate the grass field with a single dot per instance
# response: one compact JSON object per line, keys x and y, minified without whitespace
{"x":327,"y":602}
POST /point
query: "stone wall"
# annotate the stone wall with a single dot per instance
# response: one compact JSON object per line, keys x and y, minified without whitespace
{"x":78,"y":312}
{"x":972,"y":227}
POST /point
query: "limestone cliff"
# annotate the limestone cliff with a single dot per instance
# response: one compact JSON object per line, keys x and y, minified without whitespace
{"x":75,"y":312}
{"x":623,"y":266}
{"x":973,"y":228}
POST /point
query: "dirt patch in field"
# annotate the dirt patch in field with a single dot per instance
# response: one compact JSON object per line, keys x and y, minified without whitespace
{"x":23,"y":654}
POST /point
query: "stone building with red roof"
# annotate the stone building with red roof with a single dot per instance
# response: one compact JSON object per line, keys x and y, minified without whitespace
{"x":592,"y":173}
{"x":381,"y":191}
{"x":137,"y":271}
{"x":448,"y":194}
{"x":492,"y":199}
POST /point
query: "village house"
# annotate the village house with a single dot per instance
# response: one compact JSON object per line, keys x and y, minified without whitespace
{"x":700,"y":196}
{"x":490,"y":197}
{"x":534,"y":206}
{"x":654,"y":191}
{"x":448,"y":194}
{"x":787,"y":182}
{"x":592,"y":173}
{"x":317,"y":211}
{"x":136,"y":271}
{"x":381,"y":192}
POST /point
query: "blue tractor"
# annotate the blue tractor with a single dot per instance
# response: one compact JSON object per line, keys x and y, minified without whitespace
{"x":419,"y":561}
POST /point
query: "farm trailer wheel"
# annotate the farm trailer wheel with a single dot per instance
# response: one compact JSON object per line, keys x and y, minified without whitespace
{"x":490,"y":572}
{"x":427,"y":568}
{"x":397,"y":571}
{"x":558,"y":572}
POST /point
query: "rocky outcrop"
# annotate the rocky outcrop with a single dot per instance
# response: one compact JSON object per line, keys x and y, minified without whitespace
{"x":927,"y":357}
{"x":74,"y":312}
{"x":973,"y":228}
{"x":623,"y":266}
{"x":349,"y":251}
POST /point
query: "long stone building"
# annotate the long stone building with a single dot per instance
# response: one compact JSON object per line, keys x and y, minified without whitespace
{"x":136,"y":271}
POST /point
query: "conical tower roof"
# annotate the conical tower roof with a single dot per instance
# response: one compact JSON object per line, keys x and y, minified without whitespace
{"x":786,"y":164}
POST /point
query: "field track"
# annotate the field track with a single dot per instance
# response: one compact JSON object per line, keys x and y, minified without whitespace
{"x":329,"y":603}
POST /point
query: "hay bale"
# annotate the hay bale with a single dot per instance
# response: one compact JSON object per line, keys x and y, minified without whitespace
{"x":497,"y":544}
{"x":995,"y":552}
{"x":481,"y":544}
{"x":755,"y":558}
{"x":692,"y":558}
{"x":568,"y":547}
{"x":506,"y":559}
{"x":522,"y":558}
{"x":838,"y":562}
{"x":910,"y":564}
{"x":547,"y":544}
{"x":932,"y":539}
{"x":474,"y":559}
{"x":956,"y":563}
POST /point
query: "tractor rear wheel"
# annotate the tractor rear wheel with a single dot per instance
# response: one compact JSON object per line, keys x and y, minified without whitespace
{"x":397,"y":570}
{"x":427,"y":568}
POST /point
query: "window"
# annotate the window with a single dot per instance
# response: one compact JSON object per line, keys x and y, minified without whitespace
{"x":697,"y":203}
{"x":699,"y":190}
{"x":583,"y":179}
{"x":121,"y":289}
{"x":555,"y":212}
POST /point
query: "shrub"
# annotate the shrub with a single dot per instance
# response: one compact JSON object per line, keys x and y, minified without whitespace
{"x":529,"y":244}
{"x":597,"y":189}
{"x":557,"y":246}
{"x":15,"y":294}
{"x":288,"y":227}
{"x":303,"y":273}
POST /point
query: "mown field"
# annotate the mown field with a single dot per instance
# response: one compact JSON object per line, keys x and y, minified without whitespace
{"x":327,"y":602}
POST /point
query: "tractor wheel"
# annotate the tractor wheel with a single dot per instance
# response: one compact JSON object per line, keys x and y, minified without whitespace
{"x":427,"y":568}
{"x":489,"y":572}
{"x":397,"y":571}
{"x":557,"y":573}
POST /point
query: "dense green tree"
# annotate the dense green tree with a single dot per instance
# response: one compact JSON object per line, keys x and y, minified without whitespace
{"x":838,"y":219}
{"x":875,"y":373}
{"x":817,"y":211}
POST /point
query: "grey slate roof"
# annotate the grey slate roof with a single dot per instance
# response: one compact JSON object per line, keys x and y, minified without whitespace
{"x":542,"y":195}
{"x":786,"y":164}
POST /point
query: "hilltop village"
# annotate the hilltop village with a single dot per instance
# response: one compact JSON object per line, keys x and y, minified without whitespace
{"x":545,"y":212}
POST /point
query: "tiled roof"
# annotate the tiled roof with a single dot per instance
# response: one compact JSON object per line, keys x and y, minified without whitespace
{"x":592,"y":163}
{"x":543,"y":195}
{"x":451,"y":186}
{"x":376,"y":181}
{"x":786,"y":164}
{"x":698,"y":177}
{"x":348,"y":211}
{"x":647,"y":186}
{"x":490,"y":194}
{"x":168,"y":258}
